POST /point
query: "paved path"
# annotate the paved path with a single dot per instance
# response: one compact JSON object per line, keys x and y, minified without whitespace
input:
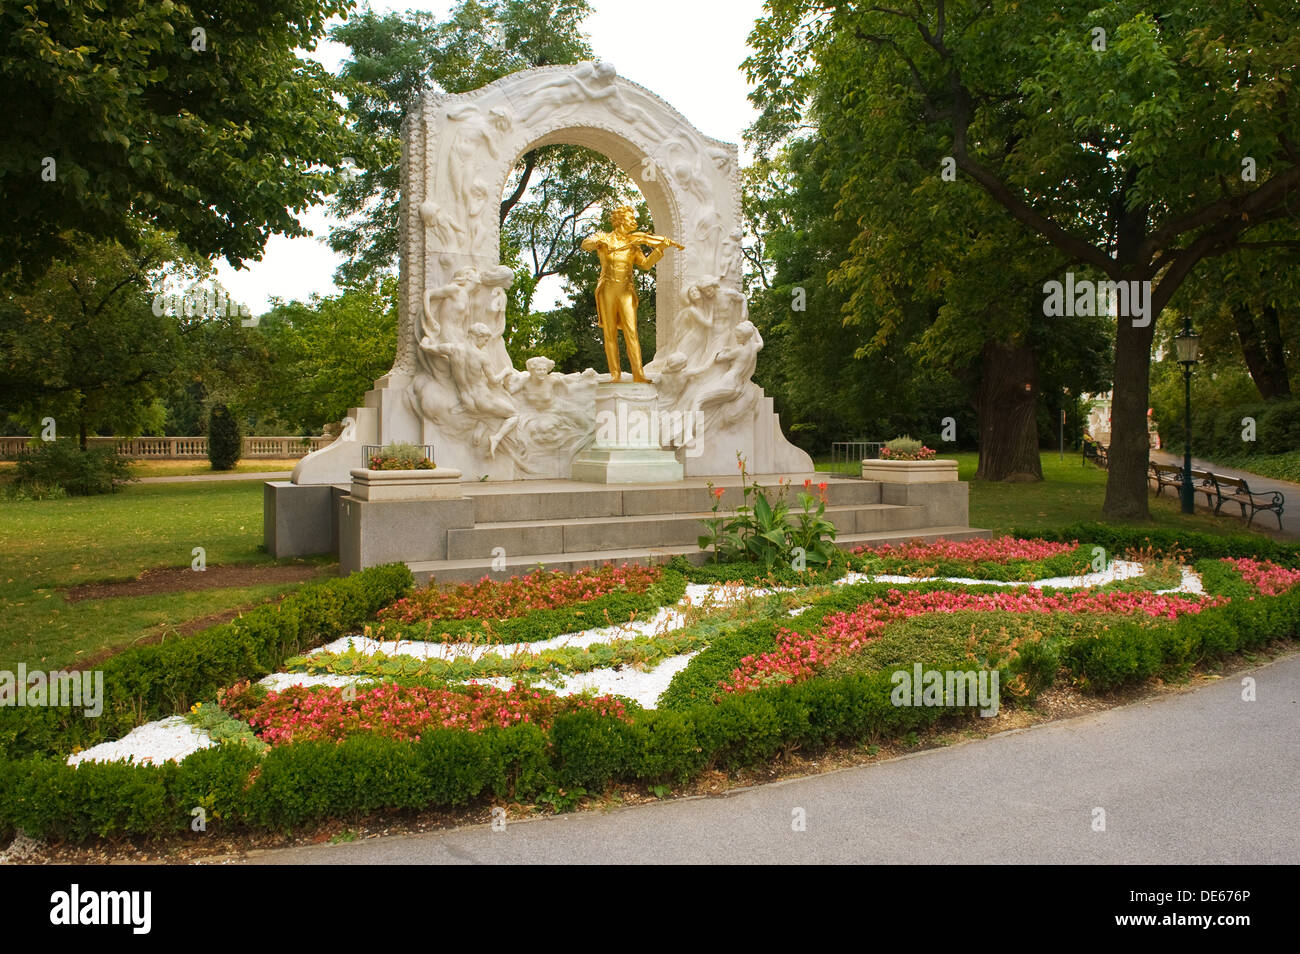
{"x":1197,"y":777}
{"x":195,"y":478}
{"x":1258,"y":484}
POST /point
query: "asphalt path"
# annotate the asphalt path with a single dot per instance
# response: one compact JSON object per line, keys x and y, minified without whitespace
{"x":1199,"y":777}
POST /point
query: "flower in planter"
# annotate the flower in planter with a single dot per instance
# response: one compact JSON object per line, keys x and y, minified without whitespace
{"x":905,"y":448}
{"x":400,"y":456}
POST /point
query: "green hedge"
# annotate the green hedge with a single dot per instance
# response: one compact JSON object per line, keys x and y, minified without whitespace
{"x":1116,"y":539}
{"x":1216,"y":431}
{"x":150,"y":682}
{"x":610,"y":609}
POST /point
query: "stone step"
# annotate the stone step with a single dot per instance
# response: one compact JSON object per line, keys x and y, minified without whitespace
{"x":471,"y":570}
{"x":568,"y":501}
{"x":584,"y":534}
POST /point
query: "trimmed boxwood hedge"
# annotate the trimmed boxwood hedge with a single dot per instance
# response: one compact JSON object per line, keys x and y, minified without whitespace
{"x":304,"y":783}
{"x":1116,"y":539}
{"x":150,"y":682}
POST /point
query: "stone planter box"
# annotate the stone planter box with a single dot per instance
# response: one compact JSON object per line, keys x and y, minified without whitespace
{"x":438,"y":484}
{"x":910,"y":471}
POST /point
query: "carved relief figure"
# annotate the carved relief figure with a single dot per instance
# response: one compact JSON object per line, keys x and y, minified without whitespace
{"x":589,"y":82}
{"x":475,"y":136}
{"x":551,"y":415}
{"x":734,"y":390}
{"x":695,"y":322}
{"x":477,"y":384}
{"x":454,"y":308}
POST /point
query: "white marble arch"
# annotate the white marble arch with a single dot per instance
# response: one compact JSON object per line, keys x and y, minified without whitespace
{"x":454,"y":387}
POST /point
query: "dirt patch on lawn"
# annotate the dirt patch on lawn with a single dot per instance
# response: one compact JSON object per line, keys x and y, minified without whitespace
{"x":181,"y":579}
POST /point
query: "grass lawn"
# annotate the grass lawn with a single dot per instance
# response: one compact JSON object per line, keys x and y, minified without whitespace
{"x":1068,"y":494}
{"x":185,"y":468}
{"x":46,"y":545}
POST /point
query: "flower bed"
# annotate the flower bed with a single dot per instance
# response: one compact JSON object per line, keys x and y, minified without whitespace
{"x":1264,"y":575}
{"x":541,"y":589}
{"x":798,"y":655}
{"x":1004,"y":558}
{"x":401,"y":712}
{"x":793,"y":660}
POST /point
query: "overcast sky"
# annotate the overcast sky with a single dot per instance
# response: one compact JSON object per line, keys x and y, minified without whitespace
{"x":687,"y":51}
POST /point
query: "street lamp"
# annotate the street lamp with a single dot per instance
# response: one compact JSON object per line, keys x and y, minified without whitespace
{"x":1187,"y":346}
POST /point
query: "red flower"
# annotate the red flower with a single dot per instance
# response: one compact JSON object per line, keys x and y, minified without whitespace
{"x":822,"y":486}
{"x":717,"y":492}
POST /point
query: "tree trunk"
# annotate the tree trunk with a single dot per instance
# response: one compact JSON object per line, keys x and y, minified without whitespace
{"x":1129,"y":453}
{"x":1007,"y":405}
{"x":1263,"y":350}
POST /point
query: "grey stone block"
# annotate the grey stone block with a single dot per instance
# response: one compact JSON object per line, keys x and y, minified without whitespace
{"x":298,"y":519}
{"x":565,"y":505}
{"x":373,"y":532}
{"x":479,"y":542}
{"x":946,"y":504}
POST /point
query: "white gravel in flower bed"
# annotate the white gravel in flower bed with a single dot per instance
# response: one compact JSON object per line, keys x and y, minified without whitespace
{"x":643,"y":687}
{"x":1117,"y":570}
{"x":167,"y":740}
{"x":665,"y":620}
{"x":279,"y":681}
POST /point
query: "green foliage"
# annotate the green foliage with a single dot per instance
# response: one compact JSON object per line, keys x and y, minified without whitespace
{"x":328,"y":352}
{"x":225,"y":443}
{"x":698,"y":682}
{"x":83,"y":344}
{"x":149,"y":682}
{"x":403,"y":453}
{"x":45,"y":465}
{"x":221,"y":726}
{"x":1044,"y":173}
{"x":1117,"y":539}
{"x":904,"y":447}
{"x":762,"y":532}
{"x":224,"y":145}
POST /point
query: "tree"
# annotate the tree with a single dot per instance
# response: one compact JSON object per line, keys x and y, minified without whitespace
{"x":1117,"y":135}
{"x":1248,"y":303}
{"x":198,"y":117}
{"x":85,"y":344}
{"x":397,"y":56}
{"x":324,"y":353}
{"x":224,"y":440}
{"x":924,"y":276}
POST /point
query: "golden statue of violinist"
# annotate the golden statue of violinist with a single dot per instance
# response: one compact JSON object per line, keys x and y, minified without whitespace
{"x":620,"y":253}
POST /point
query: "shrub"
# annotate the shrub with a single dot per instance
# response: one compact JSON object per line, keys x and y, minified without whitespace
{"x":224,"y":441}
{"x":905,"y":448}
{"x":45,"y":465}
{"x":150,"y":682}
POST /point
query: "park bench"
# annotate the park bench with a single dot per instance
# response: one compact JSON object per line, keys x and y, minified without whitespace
{"x":1094,"y":452}
{"x":1170,"y":475}
{"x":1234,"y":490}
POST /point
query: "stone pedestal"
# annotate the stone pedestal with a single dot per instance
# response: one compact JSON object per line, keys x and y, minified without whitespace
{"x":627,"y":447}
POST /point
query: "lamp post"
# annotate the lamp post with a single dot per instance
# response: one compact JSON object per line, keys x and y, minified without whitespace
{"x":1187,"y":346}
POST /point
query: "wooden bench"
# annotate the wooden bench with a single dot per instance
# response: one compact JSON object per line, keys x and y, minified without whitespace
{"x":1234,"y":490}
{"x":1170,"y":475}
{"x":1094,"y":452}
